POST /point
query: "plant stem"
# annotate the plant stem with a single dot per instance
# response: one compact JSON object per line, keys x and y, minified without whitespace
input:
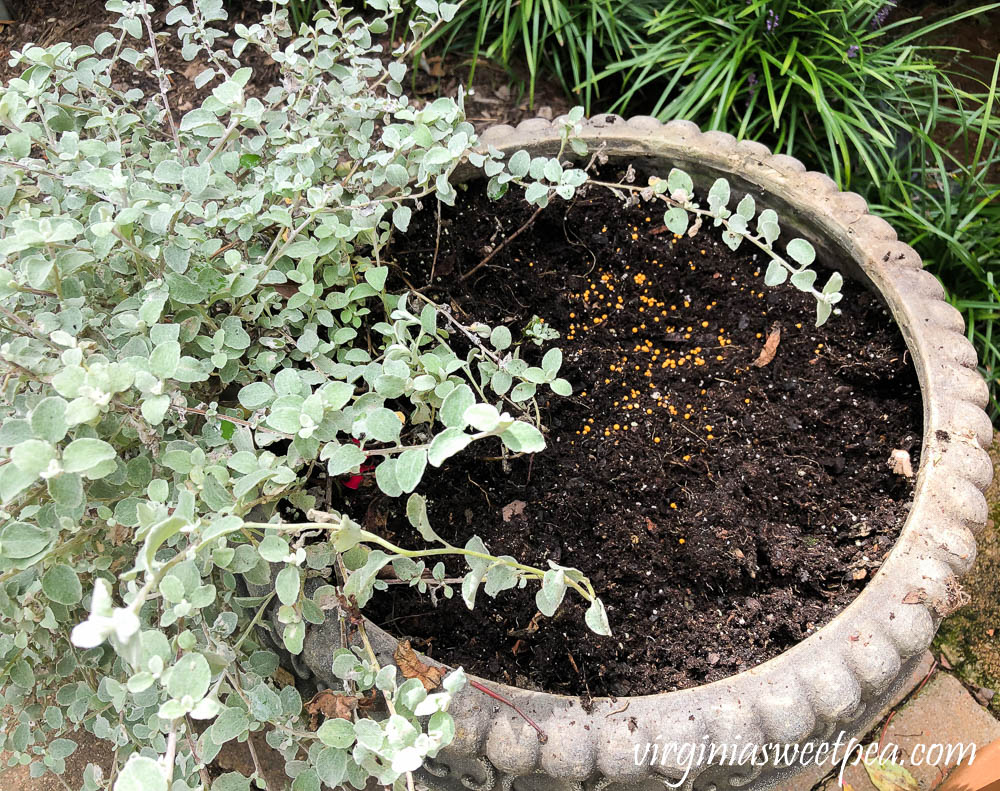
{"x":171,"y":754}
{"x":372,"y":538}
{"x":388,"y":699}
{"x":162,"y":79}
{"x":706,"y":213}
{"x":206,"y":779}
{"x":256,"y":620}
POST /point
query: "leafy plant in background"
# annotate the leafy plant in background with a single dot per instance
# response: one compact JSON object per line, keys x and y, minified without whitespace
{"x":830,"y":83}
{"x":949,"y":209}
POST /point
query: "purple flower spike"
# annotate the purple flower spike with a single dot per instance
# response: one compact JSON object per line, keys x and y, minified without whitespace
{"x":882,"y":14}
{"x":772,"y":21}
{"x":752,"y":87}
{"x":852,"y":51}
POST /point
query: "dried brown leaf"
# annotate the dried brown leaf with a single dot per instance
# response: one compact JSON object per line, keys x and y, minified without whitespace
{"x":194,"y":68}
{"x":119,"y":534}
{"x":432,"y":66}
{"x":331,"y":705}
{"x":770,"y":347}
{"x":411,"y":667}
{"x":283,"y":678}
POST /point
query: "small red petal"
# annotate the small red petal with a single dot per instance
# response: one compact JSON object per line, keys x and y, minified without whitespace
{"x":354,"y":481}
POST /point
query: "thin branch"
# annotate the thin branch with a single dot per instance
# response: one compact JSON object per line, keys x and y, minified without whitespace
{"x":29,"y":169}
{"x":445,"y":311}
{"x":171,"y":756}
{"x":220,"y":416}
{"x":206,"y":778}
{"x":162,"y":79}
{"x":501,"y":246}
{"x":437,"y":243}
{"x":27,"y":328}
{"x":30,"y":374}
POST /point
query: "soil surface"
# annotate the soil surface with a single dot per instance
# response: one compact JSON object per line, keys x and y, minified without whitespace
{"x":724,"y":511}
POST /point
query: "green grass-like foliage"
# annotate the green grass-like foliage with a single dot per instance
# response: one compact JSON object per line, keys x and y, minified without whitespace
{"x":946,"y":203}
{"x":826,"y":82}
{"x":571,"y":40}
{"x":301,"y":12}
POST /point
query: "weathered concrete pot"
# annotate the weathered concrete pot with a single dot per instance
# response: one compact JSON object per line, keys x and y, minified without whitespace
{"x":830,"y":681}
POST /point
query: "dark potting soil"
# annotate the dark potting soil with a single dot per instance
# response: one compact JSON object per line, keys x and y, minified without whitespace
{"x":723,"y":511}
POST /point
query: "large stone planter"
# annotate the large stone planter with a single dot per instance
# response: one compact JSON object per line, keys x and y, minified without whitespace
{"x":829,"y":682}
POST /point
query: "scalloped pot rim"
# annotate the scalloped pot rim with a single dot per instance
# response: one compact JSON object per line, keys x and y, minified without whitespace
{"x":832,"y":681}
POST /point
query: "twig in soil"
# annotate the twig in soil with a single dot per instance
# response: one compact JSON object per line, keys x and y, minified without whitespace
{"x":501,"y":246}
{"x":689,"y":431}
{"x":572,"y":662}
{"x":445,"y":581}
{"x":437,"y":243}
{"x":885,"y":727}
{"x":501,"y":458}
{"x":480,"y":489}
{"x":934,"y":666}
